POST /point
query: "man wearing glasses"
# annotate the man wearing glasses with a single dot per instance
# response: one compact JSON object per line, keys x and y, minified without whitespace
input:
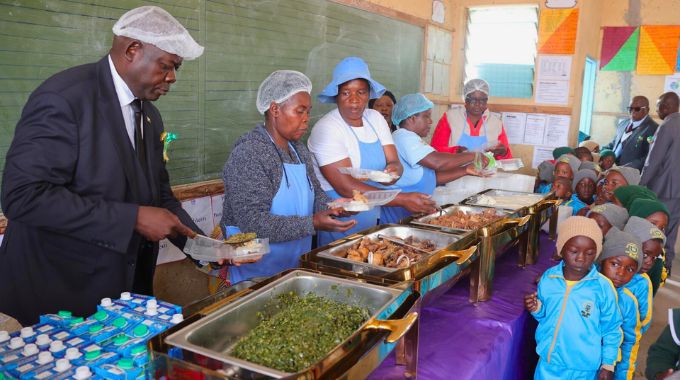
{"x":631,"y":144}
{"x":472,"y":127}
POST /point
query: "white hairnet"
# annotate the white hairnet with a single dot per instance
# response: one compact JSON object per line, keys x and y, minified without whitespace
{"x":279,"y":86}
{"x":475,"y":85}
{"x":153,"y":25}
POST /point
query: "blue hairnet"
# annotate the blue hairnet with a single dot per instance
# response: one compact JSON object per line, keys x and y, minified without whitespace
{"x":409,"y":105}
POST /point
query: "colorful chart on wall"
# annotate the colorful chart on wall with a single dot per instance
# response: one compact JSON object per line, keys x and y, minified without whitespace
{"x":658,"y":49}
{"x":557,"y":31}
{"x":619,"y":48}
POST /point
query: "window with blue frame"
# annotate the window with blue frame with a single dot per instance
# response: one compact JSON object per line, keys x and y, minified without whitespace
{"x":500,"y":47}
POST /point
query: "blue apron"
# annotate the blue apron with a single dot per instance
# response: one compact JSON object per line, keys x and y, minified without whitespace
{"x":471,"y":142}
{"x":426,"y":185}
{"x":372,"y":156}
{"x":295,"y":197}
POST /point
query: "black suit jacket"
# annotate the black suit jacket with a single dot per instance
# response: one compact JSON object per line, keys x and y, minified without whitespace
{"x":71,"y":189}
{"x":636,"y":147}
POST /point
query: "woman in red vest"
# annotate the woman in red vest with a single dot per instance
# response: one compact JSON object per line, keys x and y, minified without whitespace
{"x":472,"y":126}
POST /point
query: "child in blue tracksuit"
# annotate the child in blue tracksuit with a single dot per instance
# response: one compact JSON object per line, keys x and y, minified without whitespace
{"x":579,"y":323}
{"x":583,"y":187}
{"x":653,"y":241}
{"x":620,"y":260}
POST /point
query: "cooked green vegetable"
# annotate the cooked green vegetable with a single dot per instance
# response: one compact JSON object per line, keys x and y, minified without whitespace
{"x":240,"y":238}
{"x":301,"y":331}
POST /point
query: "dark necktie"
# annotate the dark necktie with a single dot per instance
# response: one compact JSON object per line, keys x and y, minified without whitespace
{"x":629,"y":129}
{"x":139,"y":141}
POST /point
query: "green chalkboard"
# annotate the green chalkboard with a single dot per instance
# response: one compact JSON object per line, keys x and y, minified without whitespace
{"x":213,"y":101}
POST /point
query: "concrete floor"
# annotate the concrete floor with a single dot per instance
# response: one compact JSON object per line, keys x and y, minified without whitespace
{"x":666,"y":298}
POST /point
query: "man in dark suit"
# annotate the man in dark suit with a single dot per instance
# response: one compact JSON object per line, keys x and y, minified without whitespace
{"x":661,"y":174}
{"x":85,"y":187}
{"x":630,"y":146}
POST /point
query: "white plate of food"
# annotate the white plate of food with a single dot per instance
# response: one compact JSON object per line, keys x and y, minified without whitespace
{"x":369,"y":175}
{"x":365,"y":201}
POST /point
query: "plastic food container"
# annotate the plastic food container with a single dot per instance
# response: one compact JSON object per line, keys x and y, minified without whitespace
{"x":369,"y":175}
{"x":510,"y":164}
{"x":375,"y":198}
{"x":212,"y":250}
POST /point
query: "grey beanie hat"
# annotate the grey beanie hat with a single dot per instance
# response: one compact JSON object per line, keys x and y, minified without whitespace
{"x":545,"y":171}
{"x":582,"y":174}
{"x":590,"y":165}
{"x":615,"y":215}
{"x":644,"y":230}
{"x":619,"y":243}
{"x":631,"y":175}
{"x":572,"y":160}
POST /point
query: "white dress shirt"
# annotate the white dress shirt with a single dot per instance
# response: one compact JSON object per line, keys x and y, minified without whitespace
{"x":125,"y":97}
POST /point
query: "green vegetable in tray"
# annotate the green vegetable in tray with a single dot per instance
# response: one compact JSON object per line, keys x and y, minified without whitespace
{"x":300,"y":332}
{"x":240,"y":238}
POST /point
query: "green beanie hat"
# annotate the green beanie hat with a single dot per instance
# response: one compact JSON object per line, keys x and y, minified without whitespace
{"x":557,"y":152}
{"x":606,"y":152}
{"x":627,"y":194}
{"x":646,"y":207}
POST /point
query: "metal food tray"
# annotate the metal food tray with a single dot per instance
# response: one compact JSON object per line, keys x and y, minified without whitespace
{"x":473,"y":199}
{"x":215,"y":335}
{"x":440,"y":240}
{"x":424,"y":220}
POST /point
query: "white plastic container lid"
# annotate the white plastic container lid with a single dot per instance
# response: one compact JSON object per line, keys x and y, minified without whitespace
{"x":45,"y":357}
{"x":177,"y":318}
{"x":72,"y":353}
{"x":106,"y":302}
{"x":82,"y":372}
{"x":27,"y":332}
{"x":151,"y":310}
{"x":4,"y":336}
{"x":30,"y":349}
{"x":16,"y":342}
{"x":125,"y":296}
{"x":151,"y":303}
{"x":62,"y":365}
{"x":43,"y":340}
{"x":56,"y":346}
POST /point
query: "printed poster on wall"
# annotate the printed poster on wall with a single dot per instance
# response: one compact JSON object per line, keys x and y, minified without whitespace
{"x":657,"y":54}
{"x":557,"y":31}
{"x":619,"y":48}
{"x":514,"y":124}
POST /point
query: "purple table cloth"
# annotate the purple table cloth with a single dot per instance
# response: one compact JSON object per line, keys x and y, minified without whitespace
{"x":487,"y":340}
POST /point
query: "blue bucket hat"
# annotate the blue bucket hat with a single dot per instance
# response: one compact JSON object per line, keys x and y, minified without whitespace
{"x":348,"y":69}
{"x":409,"y":105}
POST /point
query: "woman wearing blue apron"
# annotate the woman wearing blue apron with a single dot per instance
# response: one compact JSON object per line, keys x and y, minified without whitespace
{"x":269,"y":181}
{"x":424,"y":168}
{"x":352,"y":135}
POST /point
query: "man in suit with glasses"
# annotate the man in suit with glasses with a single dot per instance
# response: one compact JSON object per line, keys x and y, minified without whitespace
{"x":631,"y":144}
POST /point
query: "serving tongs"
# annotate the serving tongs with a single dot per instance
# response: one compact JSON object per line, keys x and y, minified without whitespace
{"x":403,"y":244}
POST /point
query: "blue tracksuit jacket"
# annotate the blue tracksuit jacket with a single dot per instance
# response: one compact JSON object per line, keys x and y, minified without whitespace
{"x":628,"y":305}
{"x":579,"y":326}
{"x":641,"y":287}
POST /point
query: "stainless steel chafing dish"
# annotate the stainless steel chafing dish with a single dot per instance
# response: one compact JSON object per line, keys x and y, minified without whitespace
{"x":202,"y":342}
{"x":438,"y":271}
{"x":425,"y":221}
{"x":475,"y":200}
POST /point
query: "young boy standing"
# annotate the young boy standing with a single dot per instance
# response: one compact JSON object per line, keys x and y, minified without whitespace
{"x":579,"y":323}
{"x":621,"y":258}
{"x":653,"y":241}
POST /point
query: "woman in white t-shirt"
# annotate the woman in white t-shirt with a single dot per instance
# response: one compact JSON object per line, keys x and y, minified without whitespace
{"x":354,"y":136}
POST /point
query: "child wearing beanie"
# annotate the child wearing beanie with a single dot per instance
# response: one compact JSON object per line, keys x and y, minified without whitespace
{"x":640,"y":285}
{"x":617,"y":177}
{"x":565,"y":166}
{"x":583,"y":188}
{"x":607,"y":159}
{"x":625,"y":195}
{"x":621,"y":258}
{"x":607,"y":216}
{"x":657,"y":213}
{"x":579,"y":322}
{"x":545,"y":177}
